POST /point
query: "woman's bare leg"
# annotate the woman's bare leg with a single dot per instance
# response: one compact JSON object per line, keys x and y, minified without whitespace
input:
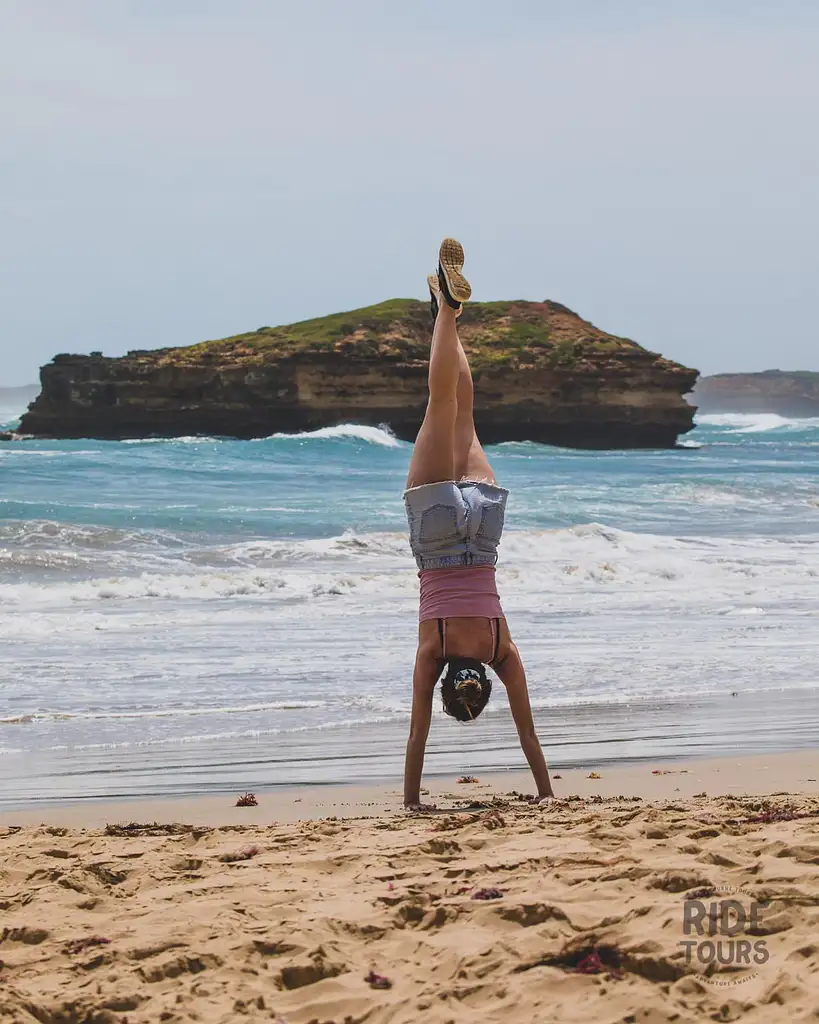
{"x":433,"y":455}
{"x":470,"y":459}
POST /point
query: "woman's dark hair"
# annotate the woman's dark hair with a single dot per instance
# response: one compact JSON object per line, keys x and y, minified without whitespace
{"x":465,"y":689}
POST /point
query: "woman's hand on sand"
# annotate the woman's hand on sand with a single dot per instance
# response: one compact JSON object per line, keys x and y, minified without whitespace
{"x":551,"y":802}
{"x":543,"y":799}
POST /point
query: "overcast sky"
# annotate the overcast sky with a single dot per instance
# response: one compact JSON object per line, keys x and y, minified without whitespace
{"x":176,"y":170}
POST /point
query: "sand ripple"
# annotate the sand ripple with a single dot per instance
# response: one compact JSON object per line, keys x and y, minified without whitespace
{"x":502,"y":913}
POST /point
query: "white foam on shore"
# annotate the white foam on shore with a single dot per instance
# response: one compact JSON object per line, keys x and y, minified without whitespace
{"x":309,"y":635}
{"x":167,"y":712}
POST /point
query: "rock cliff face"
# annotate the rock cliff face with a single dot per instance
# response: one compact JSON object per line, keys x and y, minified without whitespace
{"x":794,"y":393}
{"x":541,"y":374}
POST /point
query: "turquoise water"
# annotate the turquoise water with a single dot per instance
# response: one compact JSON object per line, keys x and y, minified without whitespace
{"x":205,"y":614}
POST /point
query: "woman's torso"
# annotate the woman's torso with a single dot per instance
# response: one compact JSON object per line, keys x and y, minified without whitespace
{"x":483,"y":639}
{"x":455,"y":529}
{"x":462,"y":592}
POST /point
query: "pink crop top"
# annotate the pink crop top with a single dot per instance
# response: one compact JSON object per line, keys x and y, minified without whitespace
{"x":465,"y":591}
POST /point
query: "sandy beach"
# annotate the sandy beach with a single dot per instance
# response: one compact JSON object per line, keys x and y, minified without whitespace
{"x":489,"y":909}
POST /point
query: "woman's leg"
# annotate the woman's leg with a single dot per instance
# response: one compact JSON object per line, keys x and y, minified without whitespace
{"x":433,"y":455}
{"x":470,"y":459}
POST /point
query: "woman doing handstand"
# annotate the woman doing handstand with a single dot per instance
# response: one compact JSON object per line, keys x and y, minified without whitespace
{"x":455,"y":510}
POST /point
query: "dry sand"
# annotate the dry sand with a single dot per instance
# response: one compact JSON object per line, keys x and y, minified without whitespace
{"x":289,"y":934}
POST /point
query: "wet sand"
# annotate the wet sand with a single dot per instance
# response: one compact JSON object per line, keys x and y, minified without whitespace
{"x":770,"y":773}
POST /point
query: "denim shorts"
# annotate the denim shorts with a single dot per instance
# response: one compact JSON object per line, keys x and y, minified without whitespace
{"x":454,"y":524}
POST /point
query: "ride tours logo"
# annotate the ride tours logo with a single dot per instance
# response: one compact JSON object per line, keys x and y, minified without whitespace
{"x":722,"y":928}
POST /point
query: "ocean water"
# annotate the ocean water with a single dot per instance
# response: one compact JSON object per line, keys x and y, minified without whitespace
{"x":206,"y":615}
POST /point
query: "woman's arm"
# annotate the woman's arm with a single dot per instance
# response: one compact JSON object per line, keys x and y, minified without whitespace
{"x":512,"y":675}
{"x":424,"y":678}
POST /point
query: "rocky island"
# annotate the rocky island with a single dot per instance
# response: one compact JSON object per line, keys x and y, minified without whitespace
{"x":784,"y":392}
{"x":541,"y":374}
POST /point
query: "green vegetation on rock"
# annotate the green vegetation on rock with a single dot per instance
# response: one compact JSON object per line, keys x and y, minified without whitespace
{"x":494,"y":333}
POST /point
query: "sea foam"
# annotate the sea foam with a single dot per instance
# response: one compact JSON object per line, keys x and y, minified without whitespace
{"x":351,"y":431}
{"x":756,"y":423}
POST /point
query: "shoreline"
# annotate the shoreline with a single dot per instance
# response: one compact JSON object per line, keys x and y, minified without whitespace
{"x":604,"y":737}
{"x":679,"y":778}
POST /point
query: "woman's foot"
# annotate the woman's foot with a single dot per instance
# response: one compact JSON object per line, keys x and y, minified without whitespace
{"x":435,"y":298}
{"x":455,"y":288}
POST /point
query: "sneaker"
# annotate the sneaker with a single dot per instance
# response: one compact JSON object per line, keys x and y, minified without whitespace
{"x":454,"y":286}
{"x":434,"y":286}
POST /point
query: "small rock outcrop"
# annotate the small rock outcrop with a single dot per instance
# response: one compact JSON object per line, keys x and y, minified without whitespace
{"x":541,"y":374}
{"x":784,"y":392}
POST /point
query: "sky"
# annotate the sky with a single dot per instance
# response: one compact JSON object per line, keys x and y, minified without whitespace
{"x":177,"y":171}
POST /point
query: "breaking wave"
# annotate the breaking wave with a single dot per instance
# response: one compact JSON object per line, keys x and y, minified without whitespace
{"x":378,"y":567}
{"x":355,"y":431}
{"x":756,"y":423}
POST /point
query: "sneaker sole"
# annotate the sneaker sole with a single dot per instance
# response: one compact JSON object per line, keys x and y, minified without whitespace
{"x":451,"y":259}
{"x":434,"y":286}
